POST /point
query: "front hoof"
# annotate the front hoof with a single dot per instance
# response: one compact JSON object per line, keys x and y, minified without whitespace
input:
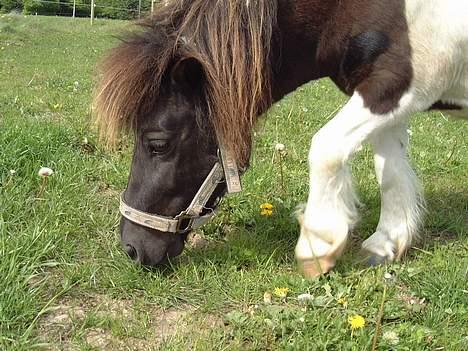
{"x":313,"y":268}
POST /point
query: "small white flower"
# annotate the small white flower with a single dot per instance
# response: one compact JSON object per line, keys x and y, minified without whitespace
{"x":280,"y":147}
{"x":45,"y":172}
{"x":410,"y":132}
{"x":302,"y":319}
{"x":12,"y":172}
{"x":391,"y":337}
{"x":305,"y":298}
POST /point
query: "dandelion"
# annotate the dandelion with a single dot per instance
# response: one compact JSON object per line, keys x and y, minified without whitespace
{"x":356,"y":322}
{"x":342,"y":301}
{"x":266,"y":209}
{"x":280,"y":147}
{"x":281,"y":292}
{"x":44,"y":173}
{"x":281,"y":152}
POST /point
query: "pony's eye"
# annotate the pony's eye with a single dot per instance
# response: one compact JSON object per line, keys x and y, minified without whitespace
{"x":158,"y":146}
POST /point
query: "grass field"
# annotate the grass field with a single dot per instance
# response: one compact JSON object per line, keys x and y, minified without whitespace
{"x":66,"y":285}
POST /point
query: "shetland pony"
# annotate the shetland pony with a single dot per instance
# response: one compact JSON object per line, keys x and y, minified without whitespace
{"x":193,"y":81}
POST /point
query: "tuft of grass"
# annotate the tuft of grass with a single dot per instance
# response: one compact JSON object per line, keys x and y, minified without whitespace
{"x":65,"y":283}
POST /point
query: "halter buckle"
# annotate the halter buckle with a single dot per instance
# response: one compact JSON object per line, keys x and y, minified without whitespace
{"x":184,"y":222}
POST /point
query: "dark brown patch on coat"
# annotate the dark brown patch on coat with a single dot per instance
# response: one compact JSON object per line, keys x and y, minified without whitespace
{"x":361,"y":45}
{"x":378,"y":31}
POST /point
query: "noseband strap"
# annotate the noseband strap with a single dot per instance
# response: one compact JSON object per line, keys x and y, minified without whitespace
{"x":192,"y":217}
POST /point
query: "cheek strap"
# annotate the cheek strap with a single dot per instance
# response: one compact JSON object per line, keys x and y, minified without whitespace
{"x":191,"y":217}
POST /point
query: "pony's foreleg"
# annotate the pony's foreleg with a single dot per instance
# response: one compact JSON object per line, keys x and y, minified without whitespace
{"x":401,"y":197}
{"x":331,"y":206}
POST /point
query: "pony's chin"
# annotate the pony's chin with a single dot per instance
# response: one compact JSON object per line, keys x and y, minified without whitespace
{"x":176,"y":248}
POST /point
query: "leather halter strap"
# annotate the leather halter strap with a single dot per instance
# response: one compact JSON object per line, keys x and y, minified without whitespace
{"x":191,"y":217}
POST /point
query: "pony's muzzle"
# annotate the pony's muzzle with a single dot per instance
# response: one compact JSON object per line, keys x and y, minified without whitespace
{"x":149,"y":247}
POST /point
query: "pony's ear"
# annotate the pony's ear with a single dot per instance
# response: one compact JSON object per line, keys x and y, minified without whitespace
{"x":188,"y":72}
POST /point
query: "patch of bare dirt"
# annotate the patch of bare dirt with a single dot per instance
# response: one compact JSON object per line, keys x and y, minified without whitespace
{"x":411,"y":301}
{"x":198,"y":241}
{"x":75,"y":323}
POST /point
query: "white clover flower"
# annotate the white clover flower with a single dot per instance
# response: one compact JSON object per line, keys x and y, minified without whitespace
{"x":45,"y":172}
{"x":305,"y":298}
{"x":12,"y":172}
{"x":391,"y":337}
{"x":280,"y":147}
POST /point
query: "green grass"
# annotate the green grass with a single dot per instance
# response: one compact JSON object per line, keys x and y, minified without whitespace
{"x":65,"y":284}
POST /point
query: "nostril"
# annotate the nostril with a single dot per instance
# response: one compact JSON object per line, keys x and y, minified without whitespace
{"x":131,"y":251}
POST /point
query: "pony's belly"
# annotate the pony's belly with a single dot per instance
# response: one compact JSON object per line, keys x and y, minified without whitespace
{"x":457,"y":94}
{"x":459,"y":108}
{"x":460,"y":114}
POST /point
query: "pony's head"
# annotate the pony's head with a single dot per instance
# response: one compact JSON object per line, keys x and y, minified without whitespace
{"x":190,"y":84}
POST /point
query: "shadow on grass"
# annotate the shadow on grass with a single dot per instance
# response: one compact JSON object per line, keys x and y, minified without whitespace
{"x":270,"y":240}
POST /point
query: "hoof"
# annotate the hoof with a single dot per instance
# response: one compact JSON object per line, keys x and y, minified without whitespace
{"x":313,"y":268}
{"x":376,"y":260}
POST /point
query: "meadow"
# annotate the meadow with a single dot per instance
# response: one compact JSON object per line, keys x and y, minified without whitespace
{"x":65,"y":284}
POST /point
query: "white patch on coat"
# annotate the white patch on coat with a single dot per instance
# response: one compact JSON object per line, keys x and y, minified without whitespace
{"x":438,"y":32}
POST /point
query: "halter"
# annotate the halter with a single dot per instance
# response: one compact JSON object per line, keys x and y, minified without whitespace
{"x":191,"y":218}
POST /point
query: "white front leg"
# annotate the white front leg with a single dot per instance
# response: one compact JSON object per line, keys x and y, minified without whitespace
{"x":331,"y":206}
{"x":401,"y":197}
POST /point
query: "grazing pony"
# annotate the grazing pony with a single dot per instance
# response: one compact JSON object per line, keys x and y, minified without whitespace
{"x":193,"y":81}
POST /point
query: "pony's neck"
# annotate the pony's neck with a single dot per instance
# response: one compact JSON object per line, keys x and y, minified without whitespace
{"x":299,"y":55}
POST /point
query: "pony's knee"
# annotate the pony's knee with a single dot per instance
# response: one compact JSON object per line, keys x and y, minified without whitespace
{"x":325,"y":155}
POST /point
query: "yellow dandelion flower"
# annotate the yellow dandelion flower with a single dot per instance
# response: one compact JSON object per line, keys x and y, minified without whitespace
{"x":281,"y":292}
{"x":342,"y":301}
{"x":356,"y":321}
{"x":266,"y":209}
